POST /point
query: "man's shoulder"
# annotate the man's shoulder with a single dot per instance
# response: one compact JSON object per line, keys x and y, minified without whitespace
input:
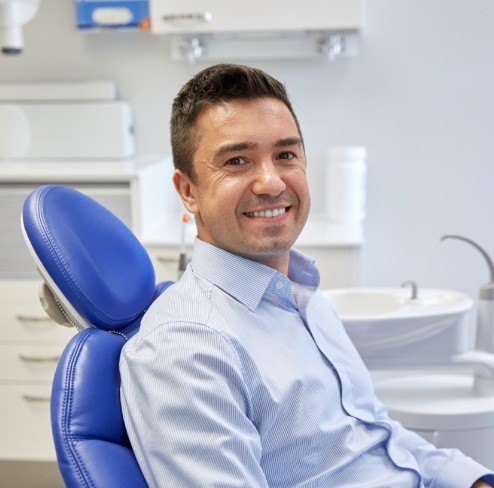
{"x":182,"y":303}
{"x":188,"y":300}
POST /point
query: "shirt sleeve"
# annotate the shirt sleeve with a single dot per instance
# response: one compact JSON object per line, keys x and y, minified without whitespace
{"x":439,"y":468}
{"x":187,"y":410}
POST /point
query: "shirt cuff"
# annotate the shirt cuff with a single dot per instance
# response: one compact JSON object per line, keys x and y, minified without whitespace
{"x":456,"y":473}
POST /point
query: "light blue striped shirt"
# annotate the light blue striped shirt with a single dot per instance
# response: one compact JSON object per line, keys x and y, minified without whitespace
{"x":243,"y":377}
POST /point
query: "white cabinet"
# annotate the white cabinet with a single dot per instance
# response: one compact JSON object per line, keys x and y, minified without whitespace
{"x":30,"y":346}
{"x":260,"y":29}
{"x":238,"y":16}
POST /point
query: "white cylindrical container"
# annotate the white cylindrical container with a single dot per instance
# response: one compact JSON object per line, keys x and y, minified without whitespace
{"x":346,"y":183}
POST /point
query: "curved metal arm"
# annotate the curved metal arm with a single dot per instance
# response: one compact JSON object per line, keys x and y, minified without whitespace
{"x":480,"y":249}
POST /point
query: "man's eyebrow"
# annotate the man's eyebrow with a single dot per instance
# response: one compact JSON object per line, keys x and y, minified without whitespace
{"x":235,"y":147}
{"x":243,"y":146}
{"x":289,"y":141}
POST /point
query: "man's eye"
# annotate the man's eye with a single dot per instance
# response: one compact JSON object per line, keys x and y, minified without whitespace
{"x":235,"y":161}
{"x":286,"y":155}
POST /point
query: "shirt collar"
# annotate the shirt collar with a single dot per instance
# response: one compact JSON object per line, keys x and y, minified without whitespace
{"x":244,"y":279}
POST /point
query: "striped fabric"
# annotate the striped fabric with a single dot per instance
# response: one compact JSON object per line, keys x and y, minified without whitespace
{"x":242,"y":377}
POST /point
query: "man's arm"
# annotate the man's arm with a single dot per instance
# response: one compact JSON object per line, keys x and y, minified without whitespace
{"x":445,"y":468}
{"x":186,"y":409}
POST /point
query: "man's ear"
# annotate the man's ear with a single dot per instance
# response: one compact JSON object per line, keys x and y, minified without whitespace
{"x":186,"y":190}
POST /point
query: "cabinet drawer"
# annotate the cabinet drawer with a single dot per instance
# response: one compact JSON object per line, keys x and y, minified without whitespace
{"x":28,"y":363}
{"x":189,"y":16}
{"x":23,"y":318}
{"x":25,"y":430}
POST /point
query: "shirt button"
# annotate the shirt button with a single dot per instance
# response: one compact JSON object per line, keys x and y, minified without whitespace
{"x":279,"y":285}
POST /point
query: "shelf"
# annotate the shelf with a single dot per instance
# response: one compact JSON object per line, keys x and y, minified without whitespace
{"x":72,"y":170}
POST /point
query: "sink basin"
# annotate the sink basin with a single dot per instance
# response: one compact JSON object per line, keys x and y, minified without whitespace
{"x":385,"y":303}
{"x":387,"y":325}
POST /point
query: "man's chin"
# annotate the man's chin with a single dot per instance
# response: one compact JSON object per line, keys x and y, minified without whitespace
{"x":268,"y":248}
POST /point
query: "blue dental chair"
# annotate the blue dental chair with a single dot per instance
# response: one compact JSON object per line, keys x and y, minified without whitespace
{"x":98,"y":278}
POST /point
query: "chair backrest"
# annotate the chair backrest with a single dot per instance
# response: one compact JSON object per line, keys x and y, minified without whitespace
{"x":98,"y":278}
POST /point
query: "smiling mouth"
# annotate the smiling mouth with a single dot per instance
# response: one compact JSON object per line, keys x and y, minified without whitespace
{"x":275,"y":212}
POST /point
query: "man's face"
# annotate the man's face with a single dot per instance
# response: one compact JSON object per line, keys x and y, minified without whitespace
{"x":250,"y":195}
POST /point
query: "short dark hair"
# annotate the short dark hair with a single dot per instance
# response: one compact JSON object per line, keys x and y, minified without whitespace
{"x":213,"y":85}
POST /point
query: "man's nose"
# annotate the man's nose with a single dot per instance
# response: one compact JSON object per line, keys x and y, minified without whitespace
{"x":268,"y":180}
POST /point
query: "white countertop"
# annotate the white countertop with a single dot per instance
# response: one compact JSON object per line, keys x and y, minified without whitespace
{"x":54,"y":171}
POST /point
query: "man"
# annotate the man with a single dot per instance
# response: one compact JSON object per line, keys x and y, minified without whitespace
{"x":241,"y":374}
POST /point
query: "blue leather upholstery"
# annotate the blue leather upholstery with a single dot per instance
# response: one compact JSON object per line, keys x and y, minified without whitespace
{"x":102,"y":278}
{"x":85,"y":249}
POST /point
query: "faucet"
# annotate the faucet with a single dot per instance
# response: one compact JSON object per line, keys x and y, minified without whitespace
{"x":414,"y":288}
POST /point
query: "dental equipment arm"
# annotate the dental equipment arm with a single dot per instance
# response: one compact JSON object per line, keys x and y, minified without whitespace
{"x":485,"y":305}
{"x":13,"y":15}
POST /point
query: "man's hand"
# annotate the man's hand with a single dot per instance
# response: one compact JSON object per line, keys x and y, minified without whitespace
{"x":481,"y":484}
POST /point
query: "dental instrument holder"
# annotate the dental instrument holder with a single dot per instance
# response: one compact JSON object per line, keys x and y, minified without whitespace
{"x":183,"y":259}
{"x":485,"y":318}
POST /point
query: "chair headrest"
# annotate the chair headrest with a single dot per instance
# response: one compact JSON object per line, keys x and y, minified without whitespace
{"x":90,"y":260}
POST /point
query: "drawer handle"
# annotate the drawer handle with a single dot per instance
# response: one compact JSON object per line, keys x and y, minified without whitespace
{"x":39,"y":359}
{"x":31,"y":397}
{"x":166,"y":260}
{"x":32,"y":318}
{"x":196,"y":17}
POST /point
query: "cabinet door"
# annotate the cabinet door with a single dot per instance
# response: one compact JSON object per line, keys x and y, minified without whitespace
{"x":25,"y":430}
{"x":199,"y":16}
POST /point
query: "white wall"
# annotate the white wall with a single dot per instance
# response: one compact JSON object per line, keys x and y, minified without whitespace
{"x":420,"y":96}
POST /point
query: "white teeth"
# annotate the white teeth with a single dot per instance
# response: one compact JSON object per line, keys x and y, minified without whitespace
{"x":267,"y":213}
